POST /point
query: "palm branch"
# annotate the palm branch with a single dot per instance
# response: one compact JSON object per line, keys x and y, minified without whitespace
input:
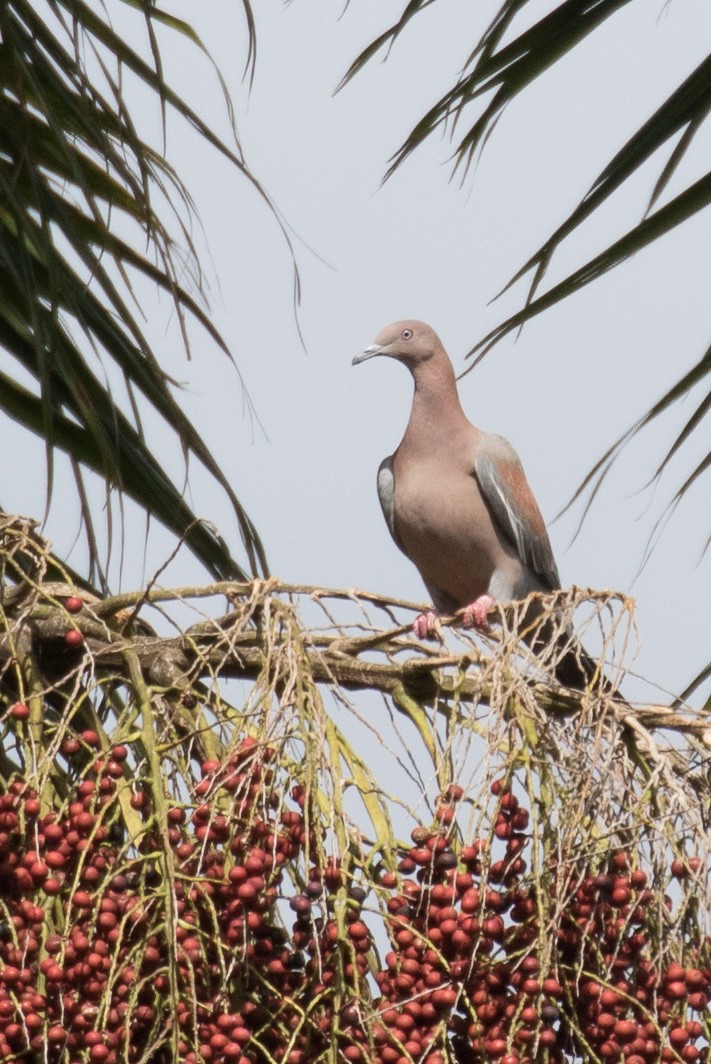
{"x":74,"y":173}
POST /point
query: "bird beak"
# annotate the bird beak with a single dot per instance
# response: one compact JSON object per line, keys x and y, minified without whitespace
{"x":374,"y":349}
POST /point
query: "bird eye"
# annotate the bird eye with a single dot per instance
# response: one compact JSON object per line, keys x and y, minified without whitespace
{"x":406,"y":334}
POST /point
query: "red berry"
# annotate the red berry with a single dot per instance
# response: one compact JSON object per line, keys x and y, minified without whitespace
{"x":678,"y":1036}
{"x":39,"y":871}
{"x":73,"y":604}
{"x":73,"y":637}
{"x":19,"y":711}
{"x":358,"y":930}
{"x":625,"y":1030}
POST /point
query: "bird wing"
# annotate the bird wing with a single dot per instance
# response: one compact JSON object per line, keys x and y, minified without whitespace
{"x":386,"y":494}
{"x":505,"y":489}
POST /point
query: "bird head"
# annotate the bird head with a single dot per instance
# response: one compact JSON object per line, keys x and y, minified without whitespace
{"x":411,"y":342}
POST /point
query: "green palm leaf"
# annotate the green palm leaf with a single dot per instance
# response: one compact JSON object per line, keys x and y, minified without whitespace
{"x":508,"y":70}
{"x":702,"y":369}
{"x":682,"y":114}
{"x":72,"y":165}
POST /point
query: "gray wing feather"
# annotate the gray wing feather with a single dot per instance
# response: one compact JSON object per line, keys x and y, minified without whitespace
{"x":386,"y":494}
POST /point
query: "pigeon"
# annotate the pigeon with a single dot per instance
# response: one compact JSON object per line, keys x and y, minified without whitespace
{"x":458,"y":505}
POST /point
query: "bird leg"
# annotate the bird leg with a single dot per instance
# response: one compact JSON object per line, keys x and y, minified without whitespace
{"x":475,"y":614}
{"x":424,"y":625}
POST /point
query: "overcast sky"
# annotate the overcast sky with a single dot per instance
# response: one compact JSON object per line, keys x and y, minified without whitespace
{"x":427,"y":247}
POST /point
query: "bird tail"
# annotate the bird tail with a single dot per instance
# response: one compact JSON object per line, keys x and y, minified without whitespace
{"x":578,"y":670}
{"x":561,"y":652}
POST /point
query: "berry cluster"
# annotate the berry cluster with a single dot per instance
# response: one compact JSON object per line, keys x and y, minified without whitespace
{"x":640,"y":1011}
{"x":520,"y":972}
{"x":188,"y":942}
{"x":100,"y":970}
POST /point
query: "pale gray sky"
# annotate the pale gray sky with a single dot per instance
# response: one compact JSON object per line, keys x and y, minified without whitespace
{"x":425,"y":247}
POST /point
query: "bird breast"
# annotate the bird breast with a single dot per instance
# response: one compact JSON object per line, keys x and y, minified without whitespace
{"x":446,"y":529}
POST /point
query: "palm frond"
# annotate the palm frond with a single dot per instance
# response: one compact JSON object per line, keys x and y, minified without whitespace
{"x":593,"y":481}
{"x":385,"y":39}
{"x":141,"y":473}
{"x":506,"y":71}
{"x":683,"y":113}
{"x":74,"y":171}
{"x":682,"y":207}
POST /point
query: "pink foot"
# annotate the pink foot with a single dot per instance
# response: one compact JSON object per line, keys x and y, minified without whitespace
{"x":424,"y":625}
{"x":475,"y":614}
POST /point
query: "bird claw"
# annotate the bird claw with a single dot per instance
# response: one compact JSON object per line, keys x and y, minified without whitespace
{"x":475,"y":614}
{"x":424,"y":625}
